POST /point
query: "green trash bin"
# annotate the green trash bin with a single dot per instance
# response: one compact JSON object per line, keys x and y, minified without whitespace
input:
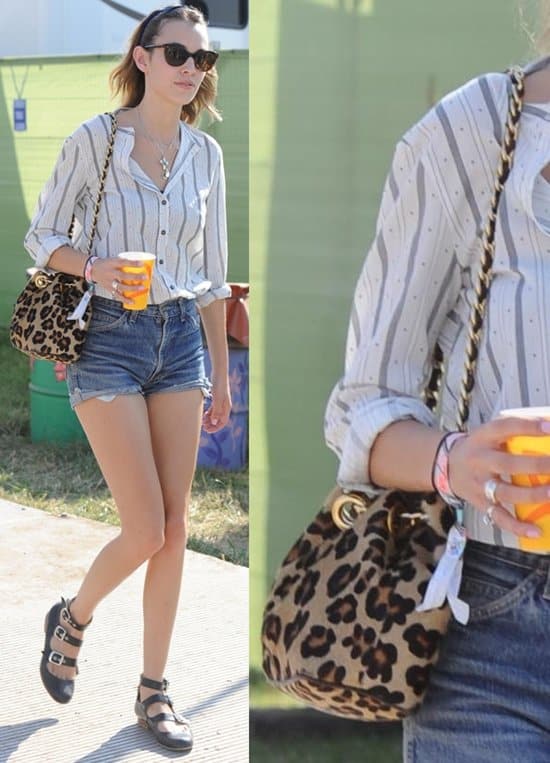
{"x":52,"y":418}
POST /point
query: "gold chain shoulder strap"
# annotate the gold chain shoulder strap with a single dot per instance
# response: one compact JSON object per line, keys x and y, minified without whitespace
{"x":485,"y":272}
{"x":431,"y":393}
{"x":102,"y":179}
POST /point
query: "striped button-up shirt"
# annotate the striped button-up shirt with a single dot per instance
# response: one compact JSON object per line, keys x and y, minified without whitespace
{"x":416,"y":286}
{"x":184,"y":225}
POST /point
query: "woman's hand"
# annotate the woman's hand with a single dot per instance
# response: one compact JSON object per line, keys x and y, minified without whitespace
{"x":107,"y":272}
{"x":217,"y":415}
{"x":481,"y":456}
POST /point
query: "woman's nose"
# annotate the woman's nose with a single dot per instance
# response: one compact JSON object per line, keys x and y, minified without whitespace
{"x":189,"y":64}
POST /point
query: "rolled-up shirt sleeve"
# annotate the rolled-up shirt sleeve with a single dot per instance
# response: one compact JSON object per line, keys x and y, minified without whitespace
{"x":215,"y":237}
{"x":410,"y":279}
{"x":56,"y":204}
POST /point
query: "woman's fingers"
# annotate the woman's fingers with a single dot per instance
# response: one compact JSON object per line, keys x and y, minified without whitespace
{"x":505,"y":492}
{"x":480,"y":457}
{"x":217,"y":415}
{"x":500,"y":462}
{"x":108,"y":273}
{"x":498,"y":431}
{"x":508,"y":522}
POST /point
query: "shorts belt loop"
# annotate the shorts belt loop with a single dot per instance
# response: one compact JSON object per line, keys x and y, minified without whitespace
{"x":132,"y":318}
{"x":183,"y":308}
{"x":546,"y":592}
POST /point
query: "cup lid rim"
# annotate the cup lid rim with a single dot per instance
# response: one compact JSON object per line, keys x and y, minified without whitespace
{"x":527,"y":412}
{"x":137,"y":255}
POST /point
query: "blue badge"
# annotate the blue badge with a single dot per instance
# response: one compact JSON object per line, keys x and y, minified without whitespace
{"x":20,"y":114}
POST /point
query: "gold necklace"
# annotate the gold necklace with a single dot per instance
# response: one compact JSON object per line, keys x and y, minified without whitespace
{"x":163,"y":160}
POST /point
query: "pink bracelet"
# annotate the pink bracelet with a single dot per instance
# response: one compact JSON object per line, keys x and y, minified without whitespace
{"x":88,"y":268}
{"x":440,"y":470}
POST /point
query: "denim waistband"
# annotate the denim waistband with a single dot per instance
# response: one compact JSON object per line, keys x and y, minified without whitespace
{"x":169,"y":309}
{"x":525,"y":559}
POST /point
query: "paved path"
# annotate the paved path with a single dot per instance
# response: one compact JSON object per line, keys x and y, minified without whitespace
{"x":43,"y":557}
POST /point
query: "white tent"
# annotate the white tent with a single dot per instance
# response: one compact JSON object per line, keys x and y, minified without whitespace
{"x":83,"y":27}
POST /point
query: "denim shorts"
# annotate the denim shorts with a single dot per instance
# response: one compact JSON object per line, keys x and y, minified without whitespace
{"x":489,"y":694}
{"x":158,"y":349}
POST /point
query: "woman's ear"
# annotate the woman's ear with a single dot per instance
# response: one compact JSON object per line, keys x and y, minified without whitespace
{"x":141,"y":59}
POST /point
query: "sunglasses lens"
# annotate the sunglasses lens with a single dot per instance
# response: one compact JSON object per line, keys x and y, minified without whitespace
{"x":176,"y":55}
{"x":205,"y":60}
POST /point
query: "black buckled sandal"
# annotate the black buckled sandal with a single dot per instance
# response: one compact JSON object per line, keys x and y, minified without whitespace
{"x":60,"y":689}
{"x":182,"y":739}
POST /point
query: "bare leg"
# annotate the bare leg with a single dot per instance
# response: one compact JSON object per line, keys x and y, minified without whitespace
{"x":119,"y":435}
{"x":175,"y":424}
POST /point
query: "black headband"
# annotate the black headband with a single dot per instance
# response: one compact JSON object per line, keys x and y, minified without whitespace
{"x":152,"y":16}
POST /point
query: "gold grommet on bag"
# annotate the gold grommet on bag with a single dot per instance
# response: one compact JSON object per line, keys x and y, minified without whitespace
{"x":41,"y":280}
{"x":346,"y":508}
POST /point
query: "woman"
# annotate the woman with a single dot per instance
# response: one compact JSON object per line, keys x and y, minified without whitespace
{"x":139,"y":385}
{"x":488,"y":696}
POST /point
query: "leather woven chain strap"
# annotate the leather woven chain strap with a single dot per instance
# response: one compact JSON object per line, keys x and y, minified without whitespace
{"x":101,"y":187}
{"x":485,"y":273}
{"x":477,"y":312}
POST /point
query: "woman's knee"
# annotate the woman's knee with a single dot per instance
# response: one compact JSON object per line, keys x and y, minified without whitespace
{"x":176,"y":530}
{"x":144,"y":542}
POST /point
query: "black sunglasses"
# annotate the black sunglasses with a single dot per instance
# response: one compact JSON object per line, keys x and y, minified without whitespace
{"x":177,"y":54}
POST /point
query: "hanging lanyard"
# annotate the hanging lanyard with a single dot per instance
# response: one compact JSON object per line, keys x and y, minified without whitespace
{"x":19,"y":103}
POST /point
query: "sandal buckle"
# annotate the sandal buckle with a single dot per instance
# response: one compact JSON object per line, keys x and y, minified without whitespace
{"x":60,"y":632}
{"x":65,"y":615}
{"x":56,"y":657}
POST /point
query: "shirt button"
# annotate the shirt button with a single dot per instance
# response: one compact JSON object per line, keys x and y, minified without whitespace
{"x":171,"y":287}
{"x":161,"y":262}
{"x":163,"y":233}
{"x":163,"y":202}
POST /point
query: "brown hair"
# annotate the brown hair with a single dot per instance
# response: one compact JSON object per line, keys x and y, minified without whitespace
{"x":129,"y":81}
{"x":534,"y":20}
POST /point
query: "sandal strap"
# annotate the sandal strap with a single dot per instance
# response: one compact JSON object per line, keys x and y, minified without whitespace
{"x":56,"y":658}
{"x":62,"y":634}
{"x":160,"y":717}
{"x":150,"y":684}
{"x":66,"y":615}
{"x":156,"y":698}
{"x":174,"y":717}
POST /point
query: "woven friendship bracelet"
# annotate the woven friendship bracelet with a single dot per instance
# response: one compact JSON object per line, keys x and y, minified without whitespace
{"x":440,"y":470}
{"x":88,"y":268}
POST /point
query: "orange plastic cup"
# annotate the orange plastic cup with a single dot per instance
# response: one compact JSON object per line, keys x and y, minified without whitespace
{"x":144,"y":264}
{"x":536,"y":513}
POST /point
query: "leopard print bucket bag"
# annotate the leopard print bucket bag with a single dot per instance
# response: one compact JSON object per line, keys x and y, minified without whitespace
{"x":343,"y":630}
{"x":52,"y":313}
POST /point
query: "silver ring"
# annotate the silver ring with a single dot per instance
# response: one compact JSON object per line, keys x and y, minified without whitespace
{"x":487,"y":518}
{"x":114,"y":286}
{"x":489,"y":489}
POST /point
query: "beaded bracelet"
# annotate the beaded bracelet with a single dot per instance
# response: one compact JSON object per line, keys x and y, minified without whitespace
{"x":88,"y":268}
{"x":440,"y":469}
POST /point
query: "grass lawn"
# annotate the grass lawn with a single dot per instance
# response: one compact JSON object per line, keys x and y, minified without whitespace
{"x":65,"y":479}
{"x":282,"y":731}
{"x":365,"y":746}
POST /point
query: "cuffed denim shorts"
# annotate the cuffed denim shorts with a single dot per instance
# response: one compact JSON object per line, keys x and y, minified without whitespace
{"x":158,"y":349}
{"x":489,"y":694}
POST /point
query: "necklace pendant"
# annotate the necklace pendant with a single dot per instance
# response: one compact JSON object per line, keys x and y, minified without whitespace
{"x":165,"y":167}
